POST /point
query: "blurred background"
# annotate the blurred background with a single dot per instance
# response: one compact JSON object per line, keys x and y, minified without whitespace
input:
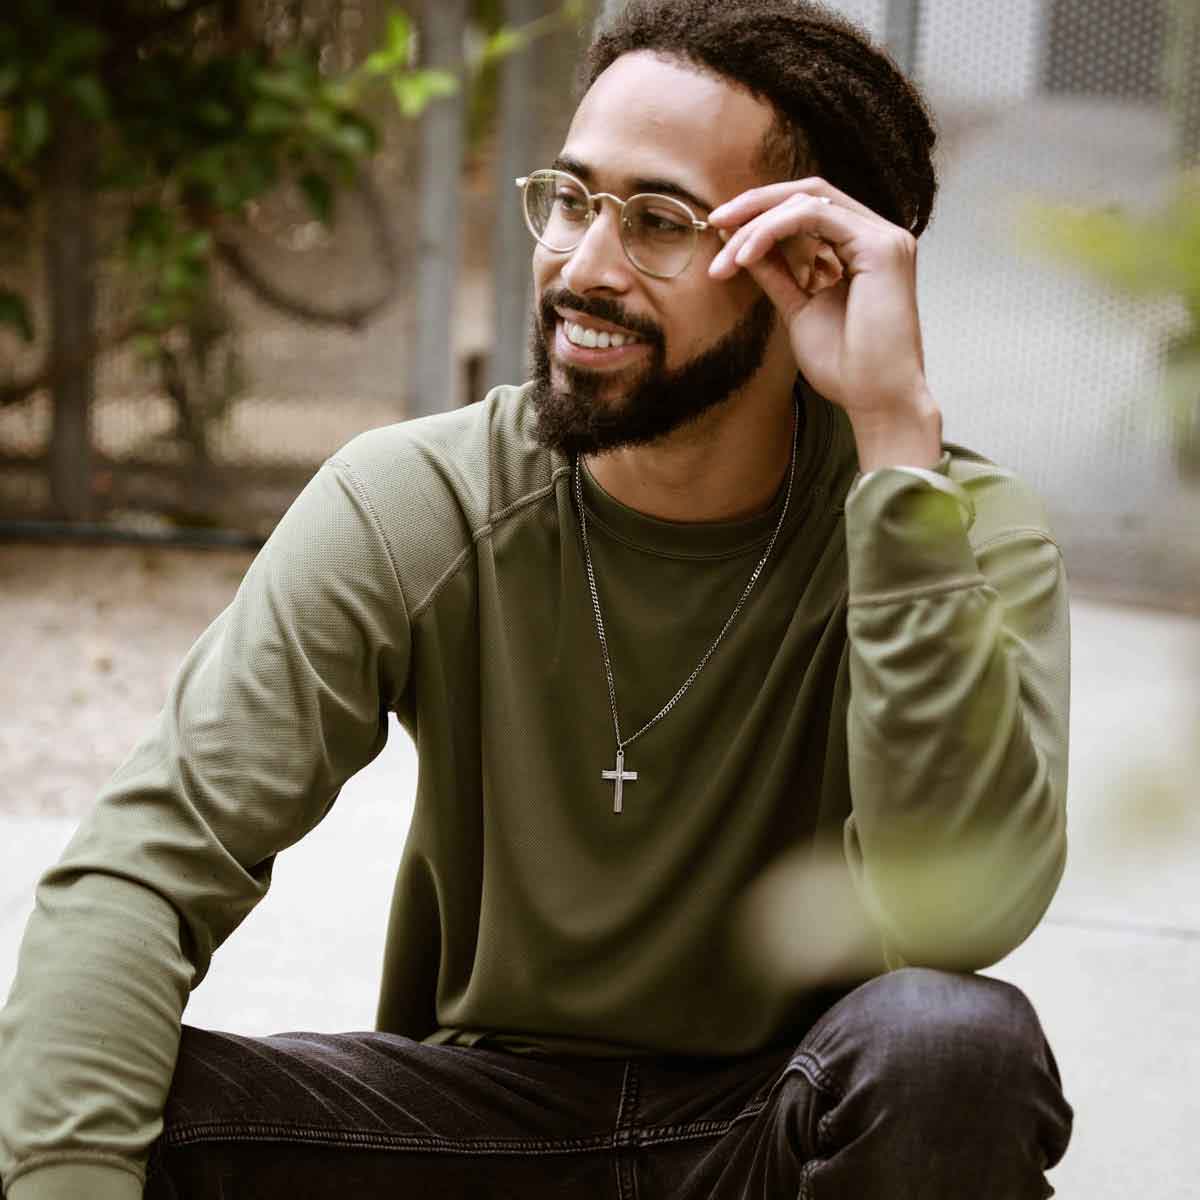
{"x":280,"y":230}
{"x":235,"y":233}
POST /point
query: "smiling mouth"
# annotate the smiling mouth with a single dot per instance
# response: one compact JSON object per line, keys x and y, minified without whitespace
{"x":590,"y":338}
{"x":584,"y":344}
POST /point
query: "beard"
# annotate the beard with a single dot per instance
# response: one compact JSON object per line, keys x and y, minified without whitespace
{"x":655,"y":401}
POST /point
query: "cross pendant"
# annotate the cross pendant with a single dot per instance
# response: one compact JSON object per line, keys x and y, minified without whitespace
{"x":618,"y":777}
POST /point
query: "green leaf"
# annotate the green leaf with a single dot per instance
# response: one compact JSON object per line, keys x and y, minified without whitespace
{"x":150,"y":228}
{"x":410,"y":96}
{"x":215,"y":114}
{"x":355,"y":136}
{"x":380,"y":62}
{"x":197,"y":244}
{"x":322,"y":123}
{"x":157,"y":314}
{"x":438,"y":83}
{"x":176,"y":278}
{"x":414,"y":90}
{"x":340,"y":93}
{"x":32,"y":128}
{"x":399,"y":38}
{"x":319,"y":194}
{"x":13,"y":312}
{"x":10,"y":76}
{"x":90,"y":95}
{"x":290,"y":87}
{"x":503,"y":42}
{"x":268,"y":118}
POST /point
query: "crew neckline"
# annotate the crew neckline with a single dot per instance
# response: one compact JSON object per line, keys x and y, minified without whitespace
{"x":818,"y":457}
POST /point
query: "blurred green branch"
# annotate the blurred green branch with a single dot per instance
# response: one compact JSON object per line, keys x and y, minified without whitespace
{"x":1156,"y":253}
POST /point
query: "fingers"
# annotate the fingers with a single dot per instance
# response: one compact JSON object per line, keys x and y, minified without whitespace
{"x":749,"y":204}
{"x":800,"y":214}
{"x":776,"y":277}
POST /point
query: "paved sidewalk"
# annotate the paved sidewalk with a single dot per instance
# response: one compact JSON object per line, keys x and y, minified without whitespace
{"x":1114,"y":969}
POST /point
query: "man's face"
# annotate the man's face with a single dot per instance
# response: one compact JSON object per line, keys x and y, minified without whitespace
{"x":649,"y":125}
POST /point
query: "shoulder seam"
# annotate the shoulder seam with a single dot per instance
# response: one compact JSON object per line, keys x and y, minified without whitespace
{"x":354,"y":481}
{"x":486,"y":530}
{"x":508,"y":510}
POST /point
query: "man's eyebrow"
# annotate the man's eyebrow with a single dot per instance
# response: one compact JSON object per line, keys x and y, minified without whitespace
{"x":664,"y":187}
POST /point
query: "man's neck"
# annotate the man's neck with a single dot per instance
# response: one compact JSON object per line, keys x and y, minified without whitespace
{"x":726,"y":467}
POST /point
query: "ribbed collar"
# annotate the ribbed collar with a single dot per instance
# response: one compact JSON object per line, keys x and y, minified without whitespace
{"x":825,"y":464}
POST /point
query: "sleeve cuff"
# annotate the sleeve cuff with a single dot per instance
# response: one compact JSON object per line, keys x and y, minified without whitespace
{"x":71,"y":1181}
{"x":937,"y":477}
{"x":906,"y":530}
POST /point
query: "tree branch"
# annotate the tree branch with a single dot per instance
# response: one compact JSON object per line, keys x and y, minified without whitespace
{"x":22,"y":389}
{"x":351,"y":316}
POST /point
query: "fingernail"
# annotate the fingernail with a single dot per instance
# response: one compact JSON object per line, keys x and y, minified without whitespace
{"x":723,"y":234}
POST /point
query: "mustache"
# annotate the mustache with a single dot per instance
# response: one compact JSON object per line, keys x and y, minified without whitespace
{"x":600,"y":307}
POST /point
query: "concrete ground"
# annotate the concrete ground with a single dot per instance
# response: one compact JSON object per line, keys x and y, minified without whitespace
{"x":1114,"y":969}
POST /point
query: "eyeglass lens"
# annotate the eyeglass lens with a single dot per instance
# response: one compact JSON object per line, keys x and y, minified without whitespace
{"x":656,"y":231}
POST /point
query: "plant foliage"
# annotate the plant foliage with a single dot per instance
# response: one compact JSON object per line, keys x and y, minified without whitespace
{"x":1156,"y":253}
{"x":193,"y":120}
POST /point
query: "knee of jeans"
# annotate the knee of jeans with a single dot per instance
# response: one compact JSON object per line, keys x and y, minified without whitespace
{"x":928,"y":1024}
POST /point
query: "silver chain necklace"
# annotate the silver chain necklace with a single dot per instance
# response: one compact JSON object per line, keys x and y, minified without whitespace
{"x":619,"y":776}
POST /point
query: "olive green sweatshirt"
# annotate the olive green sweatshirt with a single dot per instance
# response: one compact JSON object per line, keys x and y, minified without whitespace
{"x":887,"y":713}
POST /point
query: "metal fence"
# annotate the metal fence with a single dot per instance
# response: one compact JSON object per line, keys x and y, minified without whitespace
{"x":1034,"y":365}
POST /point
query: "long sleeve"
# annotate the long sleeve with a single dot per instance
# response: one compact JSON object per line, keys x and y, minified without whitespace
{"x":275,"y":707}
{"x":958,"y":714}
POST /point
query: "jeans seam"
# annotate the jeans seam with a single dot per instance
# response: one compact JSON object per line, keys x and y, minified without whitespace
{"x":625,"y":1137}
{"x":805,"y":1063}
{"x":231,"y":1131}
{"x":808,"y":1065}
{"x":807,"y":1171}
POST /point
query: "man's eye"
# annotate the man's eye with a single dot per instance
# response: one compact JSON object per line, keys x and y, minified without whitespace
{"x":570,"y":204}
{"x":662,"y":225}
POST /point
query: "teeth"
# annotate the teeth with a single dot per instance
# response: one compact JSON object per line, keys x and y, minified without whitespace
{"x":594,"y":339}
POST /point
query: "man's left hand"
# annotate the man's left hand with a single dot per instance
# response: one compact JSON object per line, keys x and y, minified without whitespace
{"x":844,"y":282}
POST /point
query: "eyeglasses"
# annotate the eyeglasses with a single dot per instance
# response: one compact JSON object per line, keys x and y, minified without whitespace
{"x":658,"y":233}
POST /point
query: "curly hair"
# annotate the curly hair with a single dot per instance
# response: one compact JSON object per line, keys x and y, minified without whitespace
{"x":844,"y":110}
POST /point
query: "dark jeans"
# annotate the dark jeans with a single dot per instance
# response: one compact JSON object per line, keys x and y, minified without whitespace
{"x":917,"y":1084}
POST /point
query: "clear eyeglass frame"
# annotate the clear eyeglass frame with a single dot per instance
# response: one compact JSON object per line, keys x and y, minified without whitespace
{"x":593,"y":200}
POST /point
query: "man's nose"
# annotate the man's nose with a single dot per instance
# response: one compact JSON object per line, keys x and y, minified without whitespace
{"x":599,"y":261}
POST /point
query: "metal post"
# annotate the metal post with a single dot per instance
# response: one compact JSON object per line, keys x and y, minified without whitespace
{"x":434,"y":386}
{"x":71,"y":283}
{"x":511,"y":243}
{"x":900,"y":33}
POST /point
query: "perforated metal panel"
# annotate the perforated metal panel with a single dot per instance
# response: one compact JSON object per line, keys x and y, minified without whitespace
{"x":1035,"y":365}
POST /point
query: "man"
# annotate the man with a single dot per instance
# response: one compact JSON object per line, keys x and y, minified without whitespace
{"x":706,"y":604}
